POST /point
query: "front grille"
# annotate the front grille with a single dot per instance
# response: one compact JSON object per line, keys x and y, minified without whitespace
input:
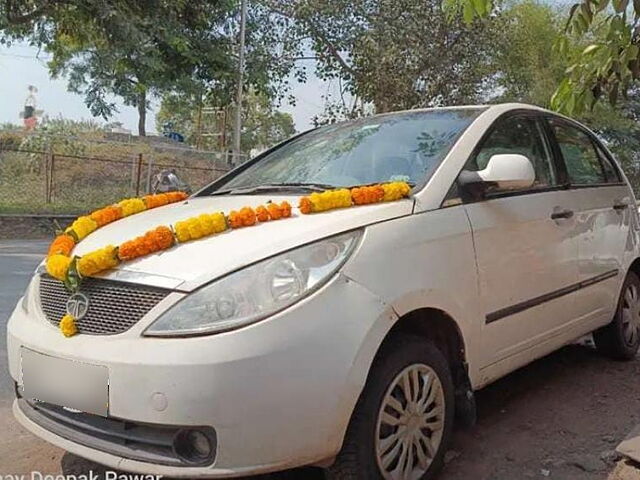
{"x":137,"y":441}
{"x":114,"y":307}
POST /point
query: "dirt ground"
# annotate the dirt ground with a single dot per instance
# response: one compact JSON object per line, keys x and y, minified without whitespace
{"x":559,"y":418}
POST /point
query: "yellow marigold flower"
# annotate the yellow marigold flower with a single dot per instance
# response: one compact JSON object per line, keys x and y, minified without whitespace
{"x":68,"y":326}
{"x":330,"y":200}
{"x":98,"y":261}
{"x":200,"y":226}
{"x":58,"y":265}
{"x":131,"y":206}
{"x":395,"y":191}
{"x":82,"y":226}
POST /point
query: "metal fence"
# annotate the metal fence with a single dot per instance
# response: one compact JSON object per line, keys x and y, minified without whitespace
{"x":43,"y":181}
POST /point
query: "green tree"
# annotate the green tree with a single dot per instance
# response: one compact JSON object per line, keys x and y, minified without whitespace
{"x":393,"y":54}
{"x":136,"y":49}
{"x":262,"y":125}
{"x":609,"y":65}
{"x":525,"y":65}
{"x":128,"y":48}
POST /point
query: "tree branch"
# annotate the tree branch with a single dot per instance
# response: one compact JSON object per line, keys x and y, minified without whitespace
{"x":19,"y":19}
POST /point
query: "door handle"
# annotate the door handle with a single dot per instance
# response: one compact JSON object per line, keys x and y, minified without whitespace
{"x":618,"y":206}
{"x":565,"y":213}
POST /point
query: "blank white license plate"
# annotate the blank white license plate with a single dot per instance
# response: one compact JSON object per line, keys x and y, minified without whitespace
{"x":67,"y":383}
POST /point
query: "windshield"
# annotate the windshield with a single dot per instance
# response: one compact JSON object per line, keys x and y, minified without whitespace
{"x":403,"y":146}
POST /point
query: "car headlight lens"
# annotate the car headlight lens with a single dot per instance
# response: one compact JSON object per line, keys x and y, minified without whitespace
{"x":257,"y":291}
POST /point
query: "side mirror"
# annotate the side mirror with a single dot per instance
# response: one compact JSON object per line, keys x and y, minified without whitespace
{"x":509,"y":171}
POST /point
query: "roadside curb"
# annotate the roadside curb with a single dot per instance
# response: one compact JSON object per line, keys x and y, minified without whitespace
{"x":39,"y":225}
{"x":629,"y":448}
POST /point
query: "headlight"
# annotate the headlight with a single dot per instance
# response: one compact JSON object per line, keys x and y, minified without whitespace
{"x":257,"y":291}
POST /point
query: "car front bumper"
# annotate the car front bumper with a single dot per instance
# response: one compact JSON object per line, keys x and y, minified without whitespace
{"x":279,"y":393}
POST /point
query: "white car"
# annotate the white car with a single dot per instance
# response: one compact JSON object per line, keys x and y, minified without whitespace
{"x":346,"y":339}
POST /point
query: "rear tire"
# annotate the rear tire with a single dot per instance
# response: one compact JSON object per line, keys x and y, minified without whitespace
{"x":404,"y":416}
{"x":621,"y":338}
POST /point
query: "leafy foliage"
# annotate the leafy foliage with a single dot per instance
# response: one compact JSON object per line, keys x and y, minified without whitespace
{"x":262,"y":125}
{"x":392,"y":54}
{"x":609,"y":64}
{"x":525,"y":64}
{"x":135,"y":49}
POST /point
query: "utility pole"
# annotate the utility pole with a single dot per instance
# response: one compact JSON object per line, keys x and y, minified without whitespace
{"x":238,"y":120}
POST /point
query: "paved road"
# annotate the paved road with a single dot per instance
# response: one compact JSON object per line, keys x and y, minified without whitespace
{"x":558,"y":418}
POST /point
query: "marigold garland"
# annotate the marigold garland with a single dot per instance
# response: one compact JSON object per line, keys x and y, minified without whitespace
{"x":176,"y":196}
{"x":262,"y":214}
{"x":62,"y":245}
{"x":106,"y":215}
{"x":329,"y":200}
{"x":201,"y":226}
{"x":81,"y":227}
{"x":158,"y":200}
{"x":59,"y":260}
{"x":366,"y":195}
{"x":153,"y":241}
{"x":243,"y":218}
{"x":131,"y":206}
{"x":68,"y":326}
{"x":276,"y":212}
{"x":58,"y":266}
{"x":98,"y":261}
{"x":343,"y":198}
{"x":395,"y":191}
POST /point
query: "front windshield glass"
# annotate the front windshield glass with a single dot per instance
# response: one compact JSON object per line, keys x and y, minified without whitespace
{"x":403,"y":146}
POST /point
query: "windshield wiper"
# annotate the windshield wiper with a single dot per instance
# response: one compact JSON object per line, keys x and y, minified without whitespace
{"x":277,"y":187}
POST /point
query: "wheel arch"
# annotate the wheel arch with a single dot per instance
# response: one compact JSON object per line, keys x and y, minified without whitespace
{"x":441,"y":329}
{"x":434,"y":325}
{"x":634,"y":267}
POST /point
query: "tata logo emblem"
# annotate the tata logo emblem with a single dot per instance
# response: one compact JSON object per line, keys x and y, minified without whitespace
{"x":77,"y":305}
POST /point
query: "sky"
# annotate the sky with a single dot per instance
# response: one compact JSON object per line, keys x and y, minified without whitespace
{"x":21,"y":66}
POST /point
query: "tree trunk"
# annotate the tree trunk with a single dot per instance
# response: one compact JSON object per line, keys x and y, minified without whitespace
{"x":142,"y":113}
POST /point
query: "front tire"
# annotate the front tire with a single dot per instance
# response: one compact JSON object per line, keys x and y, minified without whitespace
{"x":402,"y":423}
{"x":621,"y":338}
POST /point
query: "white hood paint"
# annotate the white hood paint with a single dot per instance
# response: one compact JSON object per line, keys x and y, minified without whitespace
{"x":191,"y":264}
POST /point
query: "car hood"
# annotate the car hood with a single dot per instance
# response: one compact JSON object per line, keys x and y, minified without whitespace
{"x":189,"y":265}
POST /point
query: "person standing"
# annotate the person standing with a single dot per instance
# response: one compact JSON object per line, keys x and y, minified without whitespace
{"x":29,"y":114}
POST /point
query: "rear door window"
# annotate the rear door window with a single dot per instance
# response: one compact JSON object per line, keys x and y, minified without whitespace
{"x":580,"y":156}
{"x":610,"y":170}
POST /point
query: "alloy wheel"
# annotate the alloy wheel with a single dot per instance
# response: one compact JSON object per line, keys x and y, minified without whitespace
{"x":410,"y":424}
{"x":631,"y":314}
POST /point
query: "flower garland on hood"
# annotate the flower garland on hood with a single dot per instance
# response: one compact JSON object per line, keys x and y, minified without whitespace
{"x":69,"y":269}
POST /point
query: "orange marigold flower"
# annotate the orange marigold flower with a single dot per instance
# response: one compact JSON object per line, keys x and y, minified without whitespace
{"x":155,"y":240}
{"x":154,"y":201}
{"x":262,"y":214}
{"x":285,"y":208}
{"x":176,"y":196}
{"x":243,"y":218}
{"x":62,"y":245}
{"x":305,"y":205}
{"x":106,"y":215}
{"x":366,"y":195}
{"x":279,"y":211}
